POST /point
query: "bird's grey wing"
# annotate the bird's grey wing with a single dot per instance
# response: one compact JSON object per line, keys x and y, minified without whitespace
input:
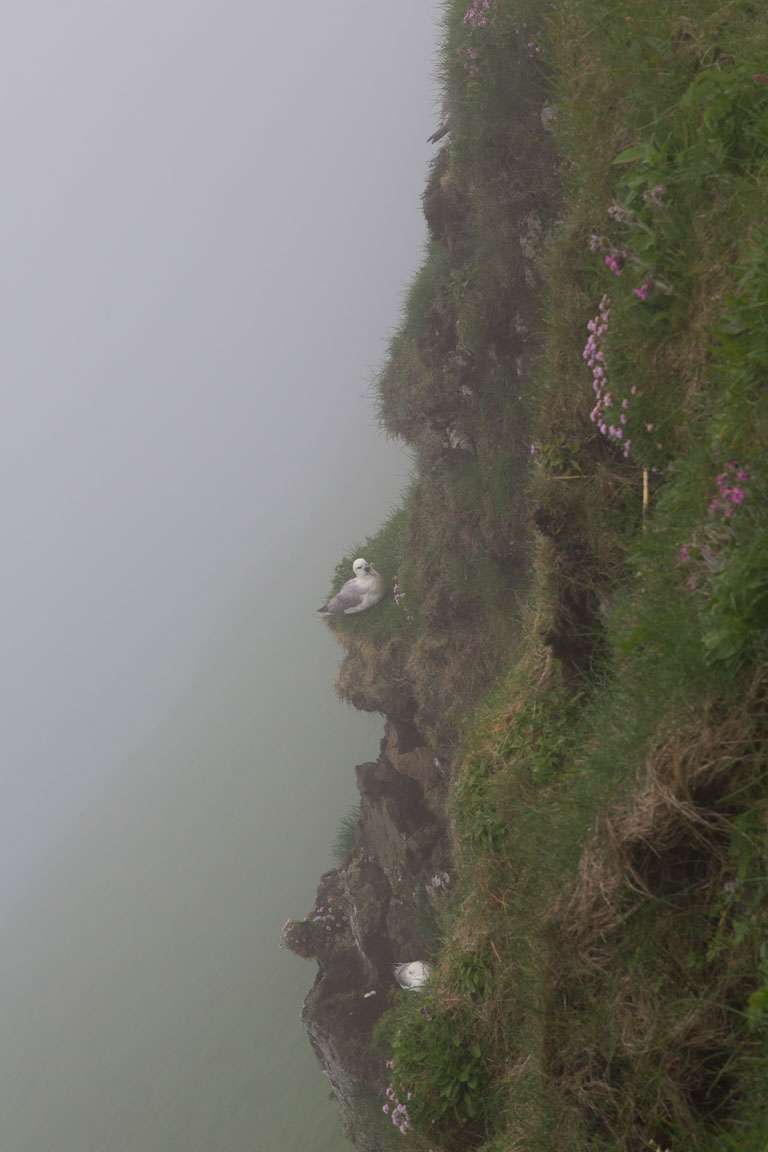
{"x":349,"y":597}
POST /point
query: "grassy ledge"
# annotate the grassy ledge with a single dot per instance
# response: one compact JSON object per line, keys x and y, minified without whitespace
{"x":581,"y":371}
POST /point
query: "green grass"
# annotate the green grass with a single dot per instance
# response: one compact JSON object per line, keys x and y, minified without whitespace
{"x":344,"y":840}
{"x":604,"y":981}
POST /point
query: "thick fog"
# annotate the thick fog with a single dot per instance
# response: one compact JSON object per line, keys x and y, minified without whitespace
{"x":208,"y":215}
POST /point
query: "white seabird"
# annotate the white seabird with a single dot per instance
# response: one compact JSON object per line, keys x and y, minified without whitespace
{"x":364,"y":590}
{"x":414,"y":975}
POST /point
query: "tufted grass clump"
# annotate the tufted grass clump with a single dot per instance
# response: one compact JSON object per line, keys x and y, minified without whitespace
{"x":344,"y":840}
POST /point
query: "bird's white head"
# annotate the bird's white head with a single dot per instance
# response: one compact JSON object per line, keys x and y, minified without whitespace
{"x":361,"y":567}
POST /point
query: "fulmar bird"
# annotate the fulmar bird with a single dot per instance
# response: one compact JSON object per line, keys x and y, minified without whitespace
{"x":414,"y":975}
{"x":364,"y":590}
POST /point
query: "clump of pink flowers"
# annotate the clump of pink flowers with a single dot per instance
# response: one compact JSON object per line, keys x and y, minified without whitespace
{"x":299,"y":935}
{"x":615,"y":261}
{"x":471,"y":55}
{"x":396,"y":1110}
{"x":730,"y":485}
{"x":285,"y":934}
{"x":330,"y":916}
{"x":610,"y":424}
{"x":476,"y":14}
{"x":707,"y":554}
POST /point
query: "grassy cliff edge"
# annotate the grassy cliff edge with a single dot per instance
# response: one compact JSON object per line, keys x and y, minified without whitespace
{"x":580,"y":581}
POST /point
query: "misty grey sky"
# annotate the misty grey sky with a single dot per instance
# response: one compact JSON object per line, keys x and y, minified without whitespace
{"x":208,"y":214}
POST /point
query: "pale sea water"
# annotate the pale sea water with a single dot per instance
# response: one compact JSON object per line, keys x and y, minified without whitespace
{"x":145,"y":1004}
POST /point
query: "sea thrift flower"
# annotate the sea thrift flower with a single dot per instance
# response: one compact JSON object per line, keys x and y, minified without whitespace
{"x":731,"y":495}
{"x":615,"y":261}
{"x":710,"y":554}
{"x":399,"y":1111}
{"x":476,"y":14}
{"x":604,"y":399}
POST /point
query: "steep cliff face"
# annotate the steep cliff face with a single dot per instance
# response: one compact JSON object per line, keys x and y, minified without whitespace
{"x":455,"y":388}
{"x":375,"y":911}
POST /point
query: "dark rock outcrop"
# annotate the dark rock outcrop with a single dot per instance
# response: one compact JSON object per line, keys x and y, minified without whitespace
{"x":390,"y":885}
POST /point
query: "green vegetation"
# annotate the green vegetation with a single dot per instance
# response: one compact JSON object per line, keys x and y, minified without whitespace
{"x":454,"y":387}
{"x":344,"y":840}
{"x":604,"y":980}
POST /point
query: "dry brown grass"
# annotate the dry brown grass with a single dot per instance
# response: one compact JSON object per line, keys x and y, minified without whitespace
{"x":656,"y":1031}
{"x":675,"y":817}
